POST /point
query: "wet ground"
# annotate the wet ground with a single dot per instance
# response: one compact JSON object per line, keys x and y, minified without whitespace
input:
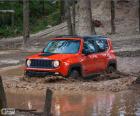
{"x":124,"y":103}
{"x":77,"y":98}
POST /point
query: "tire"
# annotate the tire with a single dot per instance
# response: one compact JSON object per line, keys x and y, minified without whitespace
{"x":111,"y":69}
{"x":74,"y":74}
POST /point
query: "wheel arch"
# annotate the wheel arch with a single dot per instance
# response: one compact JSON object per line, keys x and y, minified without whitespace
{"x":77,"y":67}
{"x":112,"y":63}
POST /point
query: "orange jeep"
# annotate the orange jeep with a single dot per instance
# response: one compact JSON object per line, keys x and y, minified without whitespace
{"x":73,"y":56}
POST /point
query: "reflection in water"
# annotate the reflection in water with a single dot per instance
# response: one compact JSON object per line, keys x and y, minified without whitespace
{"x":88,"y":105}
{"x":29,"y":105}
{"x":25,"y":100}
{"x":96,"y":104}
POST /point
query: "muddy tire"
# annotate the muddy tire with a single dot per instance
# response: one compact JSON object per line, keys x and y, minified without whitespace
{"x":111,"y":69}
{"x":74,"y":74}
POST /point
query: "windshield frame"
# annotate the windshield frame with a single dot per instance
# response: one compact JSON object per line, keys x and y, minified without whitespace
{"x":78,"y":51}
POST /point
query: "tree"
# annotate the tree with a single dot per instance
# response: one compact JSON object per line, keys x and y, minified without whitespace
{"x":73,"y":17}
{"x":68,"y":17}
{"x":86,"y":26}
{"x":139,"y":16}
{"x":62,"y":10}
{"x":26,"y":31}
{"x":42,"y":9}
{"x":3,"y":100}
{"x":113,"y":28}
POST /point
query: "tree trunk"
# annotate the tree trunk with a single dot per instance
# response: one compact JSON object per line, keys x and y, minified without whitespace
{"x":139,"y":16}
{"x":48,"y":103}
{"x":73,"y":17}
{"x":68,"y":18}
{"x":62,"y":10}
{"x":3,"y":101}
{"x":42,"y":8}
{"x":26,"y":22}
{"x":113,"y":28}
{"x":85,"y":18}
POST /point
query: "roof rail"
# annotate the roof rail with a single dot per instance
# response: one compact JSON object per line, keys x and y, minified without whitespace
{"x":73,"y":36}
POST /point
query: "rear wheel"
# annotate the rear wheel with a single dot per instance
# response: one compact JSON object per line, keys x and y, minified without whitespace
{"x":111,"y":69}
{"x":74,"y":74}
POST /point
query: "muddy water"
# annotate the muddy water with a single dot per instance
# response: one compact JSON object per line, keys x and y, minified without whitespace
{"x":88,"y":104}
{"x":92,"y":104}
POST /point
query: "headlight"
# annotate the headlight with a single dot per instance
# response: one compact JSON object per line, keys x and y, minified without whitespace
{"x":28,"y":62}
{"x":56,"y":63}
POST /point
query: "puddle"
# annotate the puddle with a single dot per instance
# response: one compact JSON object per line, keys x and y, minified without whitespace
{"x":92,"y":104}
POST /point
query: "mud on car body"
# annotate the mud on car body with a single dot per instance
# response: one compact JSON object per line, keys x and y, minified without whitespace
{"x":73,"y":56}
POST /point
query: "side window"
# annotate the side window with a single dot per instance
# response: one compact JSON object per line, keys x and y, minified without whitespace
{"x":89,"y":47}
{"x":102,"y":45}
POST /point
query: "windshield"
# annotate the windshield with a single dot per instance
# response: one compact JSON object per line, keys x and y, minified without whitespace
{"x":63,"y":46}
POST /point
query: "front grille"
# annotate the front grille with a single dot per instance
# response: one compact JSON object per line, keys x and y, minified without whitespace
{"x":41,"y":63}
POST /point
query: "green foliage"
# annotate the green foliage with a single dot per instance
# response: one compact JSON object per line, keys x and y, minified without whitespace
{"x":42,"y":14}
{"x":9,"y":31}
{"x":40,"y":25}
{"x":54,"y":18}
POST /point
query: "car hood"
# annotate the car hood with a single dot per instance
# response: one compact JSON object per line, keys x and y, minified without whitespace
{"x":51,"y":56}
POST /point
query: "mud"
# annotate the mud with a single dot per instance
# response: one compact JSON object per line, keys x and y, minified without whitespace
{"x":107,"y":82}
{"x":13,"y":79}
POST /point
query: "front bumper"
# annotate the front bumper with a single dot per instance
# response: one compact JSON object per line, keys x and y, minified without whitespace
{"x":31,"y":73}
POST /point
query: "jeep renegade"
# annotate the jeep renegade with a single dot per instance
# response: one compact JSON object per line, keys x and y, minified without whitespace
{"x":73,"y":56}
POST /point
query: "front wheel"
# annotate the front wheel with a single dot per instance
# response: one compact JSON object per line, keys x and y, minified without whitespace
{"x":74,"y":74}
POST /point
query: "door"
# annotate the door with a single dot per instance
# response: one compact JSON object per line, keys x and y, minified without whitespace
{"x":95,"y":59}
{"x":101,"y":54}
{"x":88,"y":59}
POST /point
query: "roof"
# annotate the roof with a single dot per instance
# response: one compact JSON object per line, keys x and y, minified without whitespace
{"x":95,"y":37}
{"x":83,"y":37}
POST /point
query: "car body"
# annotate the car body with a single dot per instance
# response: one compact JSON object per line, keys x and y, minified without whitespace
{"x":73,"y":56}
